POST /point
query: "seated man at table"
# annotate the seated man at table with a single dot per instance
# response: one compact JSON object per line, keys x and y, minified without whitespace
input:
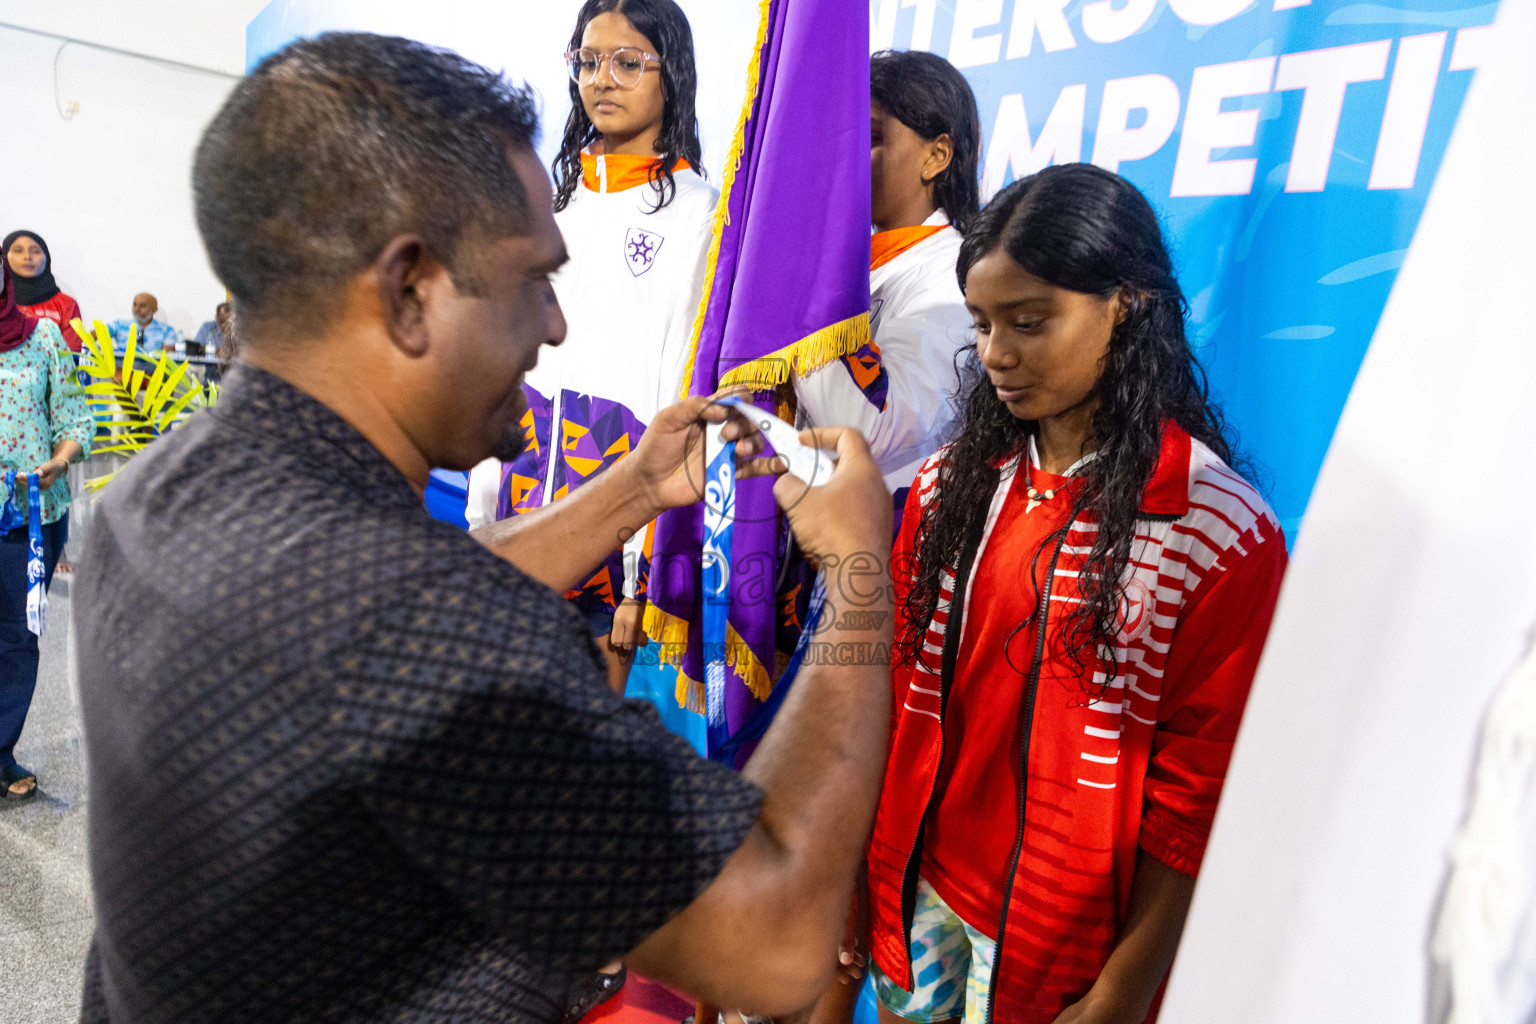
{"x":349,"y":764}
{"x":212,"y":335}
{"x":154,"y":334}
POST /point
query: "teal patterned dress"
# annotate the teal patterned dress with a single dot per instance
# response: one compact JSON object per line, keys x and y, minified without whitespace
{"x":41,"y":404}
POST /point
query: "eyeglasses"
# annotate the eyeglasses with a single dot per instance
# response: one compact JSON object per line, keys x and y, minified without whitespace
{"x":627,"y":65}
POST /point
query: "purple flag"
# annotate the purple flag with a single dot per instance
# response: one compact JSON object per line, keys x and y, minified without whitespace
{"x":787,"y":292}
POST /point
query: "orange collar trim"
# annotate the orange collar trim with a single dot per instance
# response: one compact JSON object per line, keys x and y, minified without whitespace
{"x":625,"y":170}
{"x":887,"y":245}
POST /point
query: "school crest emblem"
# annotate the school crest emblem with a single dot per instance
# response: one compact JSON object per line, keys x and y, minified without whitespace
{"x":1136,"y":609}
{"x":640,"y":249}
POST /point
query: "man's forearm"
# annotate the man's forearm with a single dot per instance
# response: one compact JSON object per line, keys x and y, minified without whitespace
{"x":562,"y":543}
{"x":822,"y":762}
{"x":763,"y":936}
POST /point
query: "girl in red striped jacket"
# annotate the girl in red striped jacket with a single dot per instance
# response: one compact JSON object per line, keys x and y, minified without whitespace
{"x":1084,"y":585}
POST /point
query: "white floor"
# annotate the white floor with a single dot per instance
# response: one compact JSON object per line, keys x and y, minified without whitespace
{"x":45,"y":894}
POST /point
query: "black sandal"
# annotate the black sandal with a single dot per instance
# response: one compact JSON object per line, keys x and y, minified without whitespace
{"x":591,"y":992}
{"x":19,"y":782}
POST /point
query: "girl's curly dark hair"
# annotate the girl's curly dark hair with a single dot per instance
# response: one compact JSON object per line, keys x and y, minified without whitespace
{"x":665,"y":25}
{"x":1085,"y":229}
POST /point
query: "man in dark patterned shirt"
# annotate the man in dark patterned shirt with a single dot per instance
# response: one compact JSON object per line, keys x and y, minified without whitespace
{"x":350,"y":764}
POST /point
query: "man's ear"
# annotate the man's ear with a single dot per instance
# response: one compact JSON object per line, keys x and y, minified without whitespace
{"x":940,"y":152}
{"x":402,"y":270}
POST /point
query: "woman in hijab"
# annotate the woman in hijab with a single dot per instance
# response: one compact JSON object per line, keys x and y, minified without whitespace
{"x":45,"y":424}
{"x":37,"y":293}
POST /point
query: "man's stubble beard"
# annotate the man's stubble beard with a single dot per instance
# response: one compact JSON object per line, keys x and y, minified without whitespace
{"x":512,"y":444}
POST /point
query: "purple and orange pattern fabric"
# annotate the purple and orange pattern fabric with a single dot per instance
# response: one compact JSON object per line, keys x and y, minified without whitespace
{"x":596,"y":433}
{"x":868,"y":372}
{"x":786,"y":292}
{"x":522,"y":480}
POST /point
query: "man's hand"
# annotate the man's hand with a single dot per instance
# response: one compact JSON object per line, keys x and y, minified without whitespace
{"x":668,"y":464}
{"x":627,"y":633}
{"x":49,"y":472}
{"x":560,"y":544}
{"x":851,"y":512}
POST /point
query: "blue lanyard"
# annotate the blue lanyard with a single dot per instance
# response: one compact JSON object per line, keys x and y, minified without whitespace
{"x":754,"y":728}
{"x":10,"y":518}
{"x":719,"y":524}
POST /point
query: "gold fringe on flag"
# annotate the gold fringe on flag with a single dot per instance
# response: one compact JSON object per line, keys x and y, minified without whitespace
{"x":670,"y":633}
{"x":802,"y":357}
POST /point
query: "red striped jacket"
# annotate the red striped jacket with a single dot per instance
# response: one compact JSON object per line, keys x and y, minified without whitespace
{"x":1140,"y":767}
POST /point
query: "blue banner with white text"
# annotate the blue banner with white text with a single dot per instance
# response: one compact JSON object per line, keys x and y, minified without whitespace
{"x":1288,"y":145}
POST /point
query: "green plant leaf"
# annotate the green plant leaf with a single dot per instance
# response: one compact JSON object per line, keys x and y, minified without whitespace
{"x":151,"y":390}
{"x":165,"y":421}
{"x":132,"y":350}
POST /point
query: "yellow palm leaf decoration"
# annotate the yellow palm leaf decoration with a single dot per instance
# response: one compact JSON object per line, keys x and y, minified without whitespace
{"x":134,"y":405}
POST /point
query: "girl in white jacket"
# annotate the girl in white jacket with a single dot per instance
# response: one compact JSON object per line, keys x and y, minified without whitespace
{"x":925,"y":142}
{"x":636,"y":215}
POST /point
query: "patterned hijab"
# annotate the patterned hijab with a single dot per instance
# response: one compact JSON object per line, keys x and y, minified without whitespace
{"x":15,"y":326}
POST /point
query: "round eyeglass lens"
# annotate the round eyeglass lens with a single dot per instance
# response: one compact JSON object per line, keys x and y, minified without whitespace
{"x":626,"y":65}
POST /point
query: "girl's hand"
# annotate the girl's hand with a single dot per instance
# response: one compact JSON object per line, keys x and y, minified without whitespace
{"x":1096,"y":1009}
{"x":850,"y":964}
{"x":851,"y":955}
{"x":627,"y":633}
{"x":49,"y":472}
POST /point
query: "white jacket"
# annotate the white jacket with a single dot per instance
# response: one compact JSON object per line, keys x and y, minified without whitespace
{"x":919,"y":323}
{"x":629,"y":294}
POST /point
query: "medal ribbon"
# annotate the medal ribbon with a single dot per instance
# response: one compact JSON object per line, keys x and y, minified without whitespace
{"x":757,"y":725}
{"x":37,"y":591}
{"x":11,"y":517}
{"x":719,"y":523}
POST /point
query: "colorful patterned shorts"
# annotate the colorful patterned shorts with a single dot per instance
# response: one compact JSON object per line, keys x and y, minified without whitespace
{"x":951,"y":966}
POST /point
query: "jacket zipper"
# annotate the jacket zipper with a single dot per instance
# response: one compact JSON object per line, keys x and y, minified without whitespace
{"x":557,"y":405}
{"x":1028,"y":715}
{"x":556,"y":438}
{"x":953,"y":629}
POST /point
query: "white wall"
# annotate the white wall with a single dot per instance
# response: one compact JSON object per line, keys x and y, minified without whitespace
{"x":110,"y":188}
{"x":208,"y":33}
